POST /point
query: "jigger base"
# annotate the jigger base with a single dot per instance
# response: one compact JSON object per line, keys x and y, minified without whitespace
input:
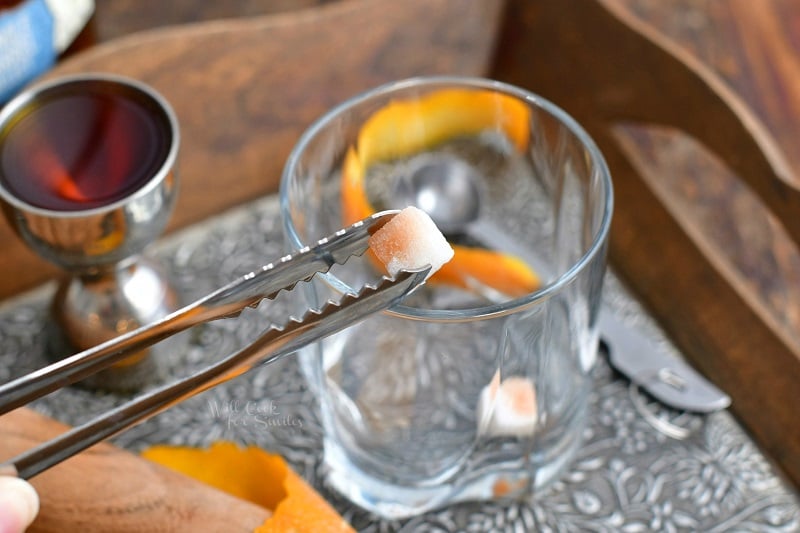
{"x":92,"y":309}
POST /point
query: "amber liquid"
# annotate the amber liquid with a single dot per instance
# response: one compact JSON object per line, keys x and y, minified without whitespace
{"x":82,"y":150}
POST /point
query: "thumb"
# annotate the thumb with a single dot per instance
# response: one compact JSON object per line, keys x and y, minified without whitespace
{"x":19,"y":504}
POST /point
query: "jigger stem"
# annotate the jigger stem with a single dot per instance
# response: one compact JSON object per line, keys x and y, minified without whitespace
{"x":93,"y":308}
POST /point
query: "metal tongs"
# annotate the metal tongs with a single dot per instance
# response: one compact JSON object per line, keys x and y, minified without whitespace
{"x":226,"y":302}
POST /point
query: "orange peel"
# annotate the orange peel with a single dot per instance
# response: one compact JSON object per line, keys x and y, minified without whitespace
{"x":402,"y":128}
{"x":502,"y":272}
{"x":256,"y":476}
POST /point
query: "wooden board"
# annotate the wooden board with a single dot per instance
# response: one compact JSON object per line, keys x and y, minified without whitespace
{"x":108,"y":489}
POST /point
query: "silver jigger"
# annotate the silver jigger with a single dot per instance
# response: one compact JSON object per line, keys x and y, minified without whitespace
{"x":94,"y":229}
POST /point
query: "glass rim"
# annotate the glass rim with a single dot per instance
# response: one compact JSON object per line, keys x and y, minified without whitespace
{"x":475,"y":313}
{"x":40,"y":90}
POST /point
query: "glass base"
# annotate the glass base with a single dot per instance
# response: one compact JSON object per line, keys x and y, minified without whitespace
{"x":508,"y":480}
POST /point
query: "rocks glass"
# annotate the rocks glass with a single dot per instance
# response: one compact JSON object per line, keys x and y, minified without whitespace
{"x":476,"y":388}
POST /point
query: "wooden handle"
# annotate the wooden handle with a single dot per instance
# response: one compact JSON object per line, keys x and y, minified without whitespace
{"x":108,"y":489}
{"x":605,"y":69}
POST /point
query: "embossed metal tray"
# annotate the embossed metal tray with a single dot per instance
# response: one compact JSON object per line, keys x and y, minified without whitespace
{"x":627,"y":477}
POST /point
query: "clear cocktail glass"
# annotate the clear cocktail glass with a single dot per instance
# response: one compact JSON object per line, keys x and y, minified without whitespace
{"x":476,"y":388}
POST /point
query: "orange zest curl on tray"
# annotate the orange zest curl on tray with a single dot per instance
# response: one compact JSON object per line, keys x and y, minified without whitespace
{"x":259,"y":477}
{"x":404,"y":127}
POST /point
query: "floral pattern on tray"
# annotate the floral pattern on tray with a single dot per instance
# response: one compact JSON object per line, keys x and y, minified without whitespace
{"x":627,"y":476}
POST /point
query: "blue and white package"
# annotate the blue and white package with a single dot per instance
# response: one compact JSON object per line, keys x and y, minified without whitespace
{"x":26,"y":45}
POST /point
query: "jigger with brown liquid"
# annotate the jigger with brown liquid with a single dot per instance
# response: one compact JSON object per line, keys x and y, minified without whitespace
{"x":88,"y":179}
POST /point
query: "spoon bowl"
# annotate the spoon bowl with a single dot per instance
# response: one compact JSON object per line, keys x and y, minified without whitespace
{"x":446,"y":188}
{"x":452,"y":193}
